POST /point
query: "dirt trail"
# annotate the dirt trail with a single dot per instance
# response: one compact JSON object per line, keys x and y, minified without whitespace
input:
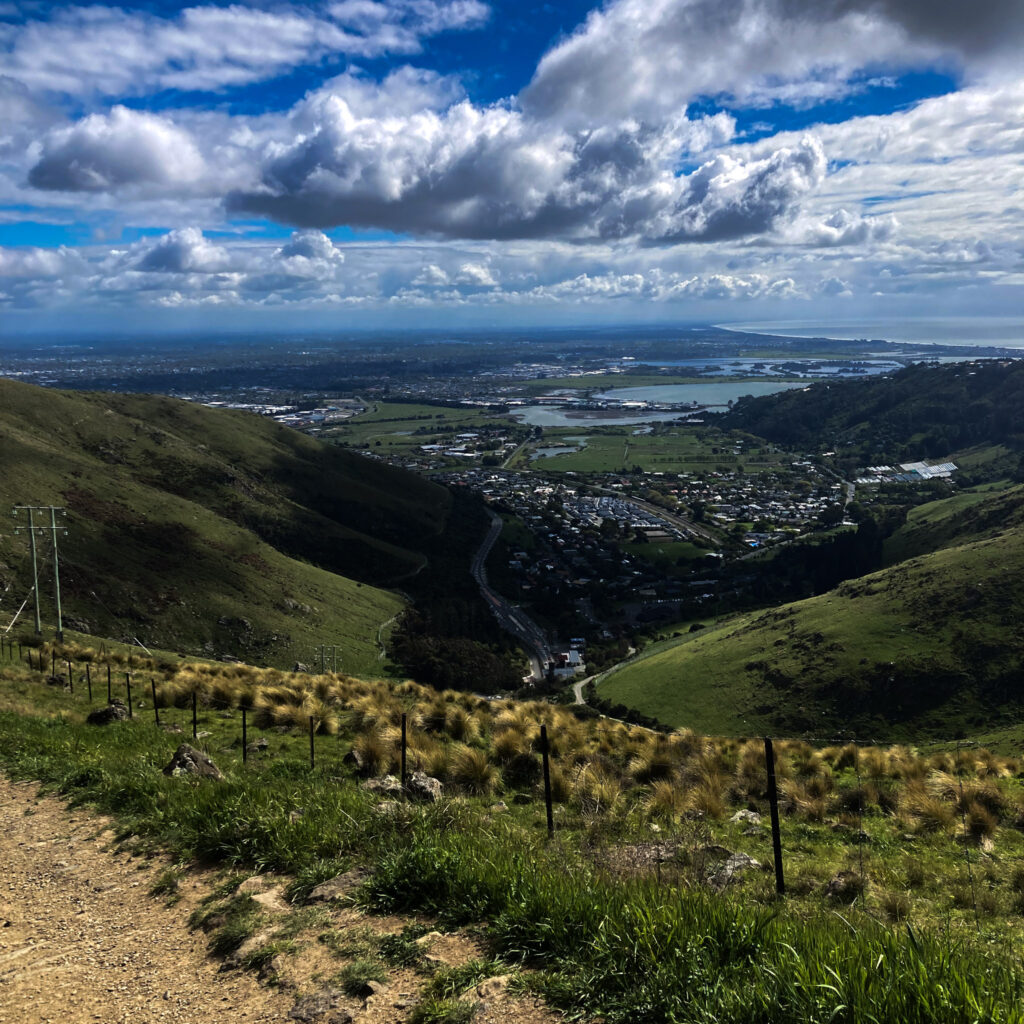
{"x":81,"y":939}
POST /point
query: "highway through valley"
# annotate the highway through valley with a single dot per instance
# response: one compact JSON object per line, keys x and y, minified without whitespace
{"x":513,"y":620}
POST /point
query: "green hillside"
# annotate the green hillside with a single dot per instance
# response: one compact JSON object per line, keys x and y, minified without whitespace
{"x":923,"y":411}
{"x":933,"y":646}
{"x":210,"y":530}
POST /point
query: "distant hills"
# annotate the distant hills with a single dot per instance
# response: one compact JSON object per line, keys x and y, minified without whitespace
{"x":923,"y":411}
{"x":932,"y":644}
{"x":210,"y":530}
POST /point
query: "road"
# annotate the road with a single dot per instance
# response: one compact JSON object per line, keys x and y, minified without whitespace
{"x":513,"y":620}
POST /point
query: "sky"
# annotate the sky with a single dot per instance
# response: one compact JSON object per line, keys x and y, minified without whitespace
{"x":362,"y":163}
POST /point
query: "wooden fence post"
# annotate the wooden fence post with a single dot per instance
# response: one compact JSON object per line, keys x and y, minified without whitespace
{"x":773,"y":805}
{"x":547,"y":779}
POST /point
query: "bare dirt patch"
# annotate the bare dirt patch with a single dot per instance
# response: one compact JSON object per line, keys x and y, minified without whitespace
{"x":81,"y":939}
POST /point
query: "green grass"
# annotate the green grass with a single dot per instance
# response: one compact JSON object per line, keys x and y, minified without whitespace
{"x":210,"y":531}
{"x":925,"y":649}
{"x":623,"y":945}
{"x":670,"y":450}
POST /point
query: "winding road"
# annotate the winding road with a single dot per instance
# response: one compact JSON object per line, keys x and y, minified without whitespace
{"x":513,"y":620}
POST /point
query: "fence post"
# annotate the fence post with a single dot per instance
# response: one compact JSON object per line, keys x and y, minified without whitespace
{"x":108,"y":683}
{"x":312,"y":755}
{"x":403,"y":751}
{"x":53,"y":663}
{"x":156,"y":710}
{"x":773,"y":804}
{"x":547,"y":779}
{"x":88,"y":681}
{"x":71,"y":676}
{"x":245,"y":739}
{"x":194,"y":721}
{"x":128,"y":687}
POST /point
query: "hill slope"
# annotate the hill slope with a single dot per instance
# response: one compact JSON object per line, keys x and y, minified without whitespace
{"x":208,"y":529}
{"x":920,"y":412}
{"x":930,"y":647}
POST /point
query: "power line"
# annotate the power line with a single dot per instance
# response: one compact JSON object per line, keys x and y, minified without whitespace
{"x":33,"y":528}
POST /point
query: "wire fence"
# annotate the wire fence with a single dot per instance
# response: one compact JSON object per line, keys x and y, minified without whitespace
{"x":882,"y":816}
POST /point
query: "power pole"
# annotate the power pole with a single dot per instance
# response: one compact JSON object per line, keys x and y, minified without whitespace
{"x":51,"y":528}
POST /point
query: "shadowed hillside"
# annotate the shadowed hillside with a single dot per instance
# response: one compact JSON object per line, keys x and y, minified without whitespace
{"x":210,"y":529}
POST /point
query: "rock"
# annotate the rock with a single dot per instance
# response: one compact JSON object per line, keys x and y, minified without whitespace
{"x":299,"y":667}
{"x":428,"y":939}
{"x":355,"y":760}
{"x":56,"y":681}
{"x":423,"y":787}
{"x":388,"y":786}
{"x":272,"y":900}
{"x":202,"y":734}
{"x":340,"y":886}
{"x":491,"y":988}
{"x":737,"y":863}
{"x":189,"y":761}
{"x":375,"y":988}
{"x":499,"y":806}
{"x":115,"y":711}
{"x":323,"y":1007}
{"x":171,"y":728}
{"x":752,"y":817}
{"x":255,"y":883}
{"x":258,"y":746}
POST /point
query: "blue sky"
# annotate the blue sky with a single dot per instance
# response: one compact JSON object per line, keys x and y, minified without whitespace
{"x":367,"y":162}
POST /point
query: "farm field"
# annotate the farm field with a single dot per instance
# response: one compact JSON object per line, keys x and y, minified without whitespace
{"x":665,"y":450}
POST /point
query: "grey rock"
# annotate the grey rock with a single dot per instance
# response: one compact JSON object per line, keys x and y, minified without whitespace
{"x":115,"y":711}
{"x":423,"y":787}
{"x":189,"y":761}
{"x":300,"y":667}
{"x":258,"y":746}
{"x":387,"y":786}
{"x":736,"y":863}
{"x":751,"y":817}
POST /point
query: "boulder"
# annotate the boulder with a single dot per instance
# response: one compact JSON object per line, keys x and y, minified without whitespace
{"x":189,"y":761}
{"x":258,"y":746}
{"x":751,"y":817}
{"x":492,"y":988}
{"x":387,"y":786}
{"x":115,"y":711}
{"x":423,"y":787}
{"x":300,"y":667}
{"x":56,"y":681}
{"x":734,"y":865}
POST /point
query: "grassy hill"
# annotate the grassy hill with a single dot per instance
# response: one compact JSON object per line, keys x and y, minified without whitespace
{"x":210,"y":530}
{"x":920,"y":412}
{"x":930,"y":647}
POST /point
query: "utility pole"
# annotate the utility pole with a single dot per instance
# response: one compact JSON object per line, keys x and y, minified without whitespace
{"x":50,"y":528}
{"x":328,"y":657}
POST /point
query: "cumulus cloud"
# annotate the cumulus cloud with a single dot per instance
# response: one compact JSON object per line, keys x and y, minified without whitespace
{"x":471,"y":172}
{"x":183,"y":251}
{"x":841,"y":228}
{"x":214,"y":47}
{"x":642,"y":58}
{"x":122,"y":148}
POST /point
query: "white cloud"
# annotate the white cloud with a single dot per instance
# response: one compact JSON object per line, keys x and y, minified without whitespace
{"x":183,"y":251}
{"x":213,"y":47}
{"x":644,"y":58}
{"x":123,"y":148}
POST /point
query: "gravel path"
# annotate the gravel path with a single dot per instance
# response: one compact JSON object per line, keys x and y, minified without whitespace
{"x":81,"y":939}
